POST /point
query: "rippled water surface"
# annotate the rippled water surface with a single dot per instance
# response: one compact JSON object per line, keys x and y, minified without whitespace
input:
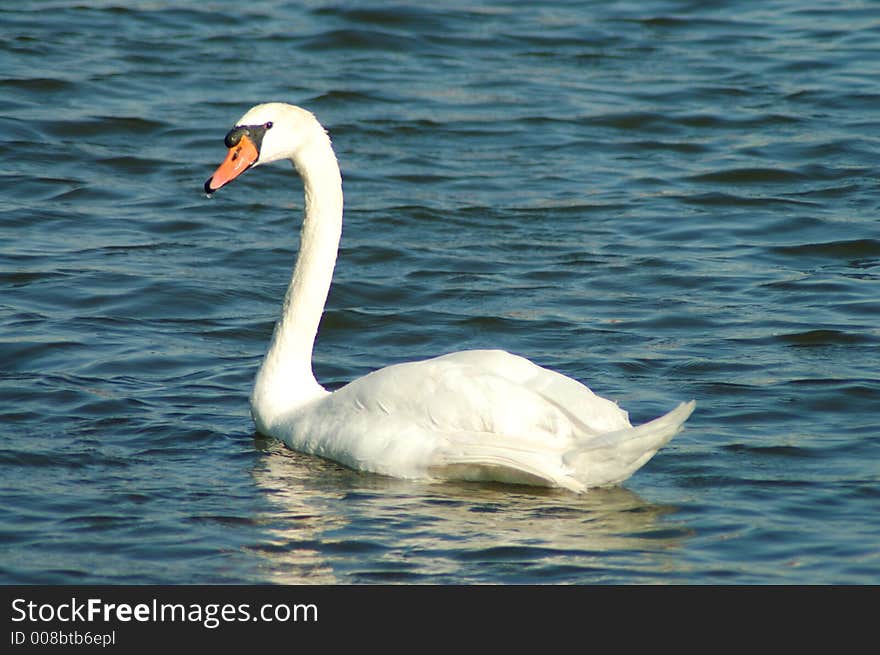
{"x":666,"y":200}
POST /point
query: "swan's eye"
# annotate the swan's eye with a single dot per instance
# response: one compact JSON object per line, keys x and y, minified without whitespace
{"x":268,"y":125}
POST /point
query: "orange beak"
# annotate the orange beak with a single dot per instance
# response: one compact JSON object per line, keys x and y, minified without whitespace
{"x":240,"y":157}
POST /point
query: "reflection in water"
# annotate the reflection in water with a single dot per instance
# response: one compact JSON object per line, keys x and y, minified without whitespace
{"x":302,"y":515}
{"x":332,"y":525}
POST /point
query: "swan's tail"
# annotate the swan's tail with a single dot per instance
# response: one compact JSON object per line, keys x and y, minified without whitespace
{"x":611,"y":458}
{"x":594,"y":461}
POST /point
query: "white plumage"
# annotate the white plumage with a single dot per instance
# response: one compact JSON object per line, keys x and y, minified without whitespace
{"x":472,"y":415}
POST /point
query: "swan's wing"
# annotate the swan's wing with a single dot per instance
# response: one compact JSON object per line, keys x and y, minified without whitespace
{"x":490,"y":392}
{"x":473,"y":408}
{"x":594,"y":414}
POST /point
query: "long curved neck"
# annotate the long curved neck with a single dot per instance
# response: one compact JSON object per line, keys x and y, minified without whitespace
{"x":285,"y":380}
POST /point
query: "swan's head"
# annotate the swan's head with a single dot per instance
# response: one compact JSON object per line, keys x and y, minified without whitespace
{"x":266,"y":133}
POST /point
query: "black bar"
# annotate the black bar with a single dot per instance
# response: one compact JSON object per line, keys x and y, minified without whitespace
{"x":232,"y":618}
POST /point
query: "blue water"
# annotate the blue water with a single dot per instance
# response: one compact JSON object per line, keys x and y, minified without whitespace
{"x":666,"y":200}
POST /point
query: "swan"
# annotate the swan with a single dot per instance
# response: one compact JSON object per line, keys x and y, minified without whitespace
{"x":476,"y":415}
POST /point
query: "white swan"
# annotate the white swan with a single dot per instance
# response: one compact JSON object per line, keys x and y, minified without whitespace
{"x":473,"y":415}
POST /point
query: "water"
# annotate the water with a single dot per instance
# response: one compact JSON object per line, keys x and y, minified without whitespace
{"x":665,"y":199}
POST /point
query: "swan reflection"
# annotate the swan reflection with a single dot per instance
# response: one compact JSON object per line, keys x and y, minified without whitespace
{"x":332,"y":525}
